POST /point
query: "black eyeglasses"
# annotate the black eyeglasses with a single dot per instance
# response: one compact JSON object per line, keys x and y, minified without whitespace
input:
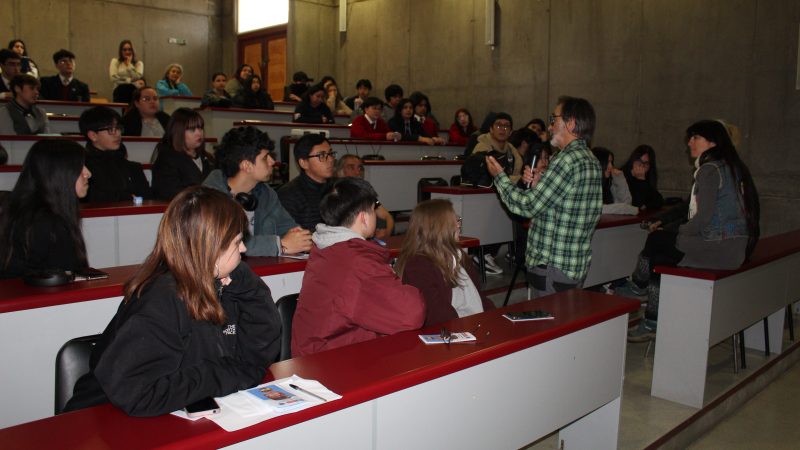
{"x":460,"y":221}
{"x":323,"y":156}
{"x":553,"y":118}
{"x":642,"y":162}
{"x":377,"y":204}
{"x":112,"y":129}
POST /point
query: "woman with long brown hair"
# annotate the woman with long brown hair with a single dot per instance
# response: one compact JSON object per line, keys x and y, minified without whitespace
{"x":432,"y":260}
{"x":195,"y":322}
{"x":180,"y":159}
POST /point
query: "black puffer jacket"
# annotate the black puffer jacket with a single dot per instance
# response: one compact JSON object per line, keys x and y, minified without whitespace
{"x":153,"y":358}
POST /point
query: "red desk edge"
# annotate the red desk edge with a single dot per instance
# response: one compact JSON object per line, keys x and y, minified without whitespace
{"x":767,"y":250}
{"x":15,"y":295}
{"x":255,"y":123}
{"x":74,"y":137}
{"x":411,"y":363}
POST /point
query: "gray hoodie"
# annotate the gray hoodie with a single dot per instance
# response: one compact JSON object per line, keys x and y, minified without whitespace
{"x":326,"y":235}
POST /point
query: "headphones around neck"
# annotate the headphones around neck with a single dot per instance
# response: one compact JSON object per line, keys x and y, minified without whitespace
{"x":248,"y":201}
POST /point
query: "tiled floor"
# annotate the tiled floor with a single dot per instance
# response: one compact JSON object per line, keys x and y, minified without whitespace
{"x":766,"y":421}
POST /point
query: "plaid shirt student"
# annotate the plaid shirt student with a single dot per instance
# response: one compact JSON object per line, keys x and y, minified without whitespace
{"x":565,"y":206}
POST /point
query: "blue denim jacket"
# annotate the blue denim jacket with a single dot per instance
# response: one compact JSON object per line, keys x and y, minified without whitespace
{"x":728,"y":220}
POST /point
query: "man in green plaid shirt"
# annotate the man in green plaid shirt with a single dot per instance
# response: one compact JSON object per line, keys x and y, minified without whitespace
{"x":564,"y":202}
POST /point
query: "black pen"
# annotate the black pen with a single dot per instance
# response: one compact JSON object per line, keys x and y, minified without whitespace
{"x":298,"y":388}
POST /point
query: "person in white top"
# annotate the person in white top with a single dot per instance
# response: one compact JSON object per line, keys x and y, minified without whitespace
{"x":126,"y":72}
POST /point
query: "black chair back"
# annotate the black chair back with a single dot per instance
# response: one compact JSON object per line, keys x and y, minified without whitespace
{"x":286,"y":306}
{"x":72,"y":362}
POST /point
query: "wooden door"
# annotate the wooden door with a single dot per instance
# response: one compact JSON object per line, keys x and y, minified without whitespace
{"x":265,"y":51}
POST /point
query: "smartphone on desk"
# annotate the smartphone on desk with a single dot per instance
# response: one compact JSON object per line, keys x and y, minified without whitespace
{"x":89,"y":273}
{"x":205,"y":407}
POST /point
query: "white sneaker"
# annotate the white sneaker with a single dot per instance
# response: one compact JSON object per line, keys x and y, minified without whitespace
{"x":491,"y":265}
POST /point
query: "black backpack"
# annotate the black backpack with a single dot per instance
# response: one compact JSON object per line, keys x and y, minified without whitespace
{"x":474,"y":171}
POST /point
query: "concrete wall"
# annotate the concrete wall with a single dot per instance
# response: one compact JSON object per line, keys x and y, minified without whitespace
{"x":650,"y":68}
{"x":92,"y":29}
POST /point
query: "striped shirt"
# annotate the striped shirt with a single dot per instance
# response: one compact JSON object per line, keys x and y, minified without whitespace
{"x":565,"y":206}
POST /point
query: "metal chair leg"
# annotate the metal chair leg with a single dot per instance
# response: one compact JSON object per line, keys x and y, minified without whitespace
{"x":735,"y":339}
{"x":649,"y":346}
{"x":790,"y":321}
{"x":511,"y":286}
{"x":766,"y":337}
{"x":741,"y":350}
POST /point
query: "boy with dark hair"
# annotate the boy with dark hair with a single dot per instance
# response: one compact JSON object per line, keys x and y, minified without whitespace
{"x":350,"y":293}
{"x":21,"y":116}
{"x":301,"y":195}
{"x":11,"y":64}
{"x":355,"y":102}
{"x":245,"y":167}
{"x":393,"y":94}
{"x":114,"y":178}
{"x":371,"y":125}
{"x":64,"y":86}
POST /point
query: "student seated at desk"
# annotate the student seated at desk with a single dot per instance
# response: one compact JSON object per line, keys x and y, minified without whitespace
{"x":115,"y":178}
{"x":64,"y":86}
{"x":432,"y":260}
{"x":253,"y":95}
{"x":302,"y":195}
{"x":350,"y":293}
{"x":216,"y":97}
{"x":246,"y":166}
{"x":616,"y":196}
{"x":723,"y":219}
{"x":236,"y":83}
{"x":195,"y":322}
{"x":40,"y":220}
{"x":352,"y":166}
{"x":370,"y":125}
{"x":641,"y":173}
{"x":312,"y":109}
{"x":143,"y":117}
{"x":171,"y":84}
{"x":20,"y":115}
{"x":180,"y":158}
{"x":404,"y":123}
{"x":423,"y":112}
{"x":462,"y":127}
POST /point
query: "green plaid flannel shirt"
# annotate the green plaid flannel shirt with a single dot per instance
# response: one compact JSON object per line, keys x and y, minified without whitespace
{"x":565,"y":206}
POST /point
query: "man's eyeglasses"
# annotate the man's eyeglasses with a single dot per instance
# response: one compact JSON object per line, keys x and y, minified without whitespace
{"x":147,"y":98}
{"x":112,"y":129}
{"x":502,"y":126}
{"x":377,"y":204}
{"x":553,"y":118}
{"x":323,"y":156}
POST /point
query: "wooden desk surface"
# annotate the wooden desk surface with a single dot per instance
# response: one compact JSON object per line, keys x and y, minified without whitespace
{"x":395,"y":363}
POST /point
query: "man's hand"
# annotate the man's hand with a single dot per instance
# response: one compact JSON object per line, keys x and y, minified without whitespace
{"x":493,"y":166}
{"x":393,"y":136}
{"x":638,"y":170}
{"x":654,"y":226}
{"x":531,"y":177}
{"x":615,"y":172}
{"x":296,"y":240}
{"x":437,"y":140}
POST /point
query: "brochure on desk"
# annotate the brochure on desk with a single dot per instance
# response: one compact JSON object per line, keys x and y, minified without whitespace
{"x":249,"y":407}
